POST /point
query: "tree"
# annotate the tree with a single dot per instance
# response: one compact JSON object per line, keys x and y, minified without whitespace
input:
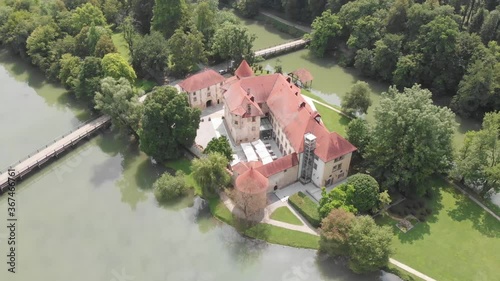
{"x":69,"y":71}
{"x":150,"y":56}
{"x":112,"y":10}
{"x":324,"y":30}
{"x":18,"y":28}
{"x":478,"y":162}
{"x":114,"y":65}
{"x":366,"y":192}
{"x":206,"y":19}
{"x":369,"y":245}
{"x":220,"y":145}
{"x":386,"y":54}
{"x":89,"y":78}
{"x":211,"y":174}
{"x":408,"y":70}
{"x":142,"y":12}
{"x":478,"y":20}
{"x":334,"y":234}
{"x":397,"y":16}
{"x":61,"y":46}
{"x":186,"y":50}
{"x":339,"y":197}
{"x":104,"y":46}
{"x":119,"y":100}
{"x":234,"y":42}
{"x":168,"y":124}
{"x":357,"y":99}
{"x":168,"y":187}
{"x":359,"y":134}
{"x":129,"y":33}
{"x":490,"y":26}
{"x":248,"y":8}
{"x":95,"y":33}
{"x":478,"y":92}
{"x":39,"y":44}
{"x":364,"y":62}
{"x":86,"y":15}
{"x":411,"y":139}
{"x":366,"y":31}
{"x":168,"y":16}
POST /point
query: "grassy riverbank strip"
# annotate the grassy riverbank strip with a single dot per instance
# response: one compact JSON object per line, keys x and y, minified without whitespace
{"x":266,"y":232}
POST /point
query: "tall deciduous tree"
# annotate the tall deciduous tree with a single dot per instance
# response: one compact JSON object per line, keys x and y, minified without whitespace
{"x":142,"y":12}
{"x":150,"y":56}
{"x":385,"y":55}
{"x":114,"y":65}
{"x":86,"y":15}
{"x":210,"y":173}
{"x":248,"y":8}
{"x":325,"y":29}
{"x":358,"y":133}
{"x":119,"y":100}
{"x":357,"y":99}
{"x":89,"y":78}
{"x":233,"y":41}
{"x":69,"y":71}
{"x":168,"y":187}
{"x":220,"y":145}
{"x":366,"y":190}
{"x":104,"y":46}
{"x":478,"y":163}
{"x":205,"y":19}
{"x":186,"y":50}
{"x":411,"y":139}
{"x":39,"y":44}
{"x":168,"y":16}
{"x":369,"y":245}
{"x":334,"y":233}
{"x":168,"y":124}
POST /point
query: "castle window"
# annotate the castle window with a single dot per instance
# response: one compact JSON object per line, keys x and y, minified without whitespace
{"x":339,"y":158}
{"x":194,"y":99}
{"x":337,"y":167}
{"x":209,"y":94}
{"x":253,"y":119}
{"x":235,"y":122}
{"x":315,"y":166}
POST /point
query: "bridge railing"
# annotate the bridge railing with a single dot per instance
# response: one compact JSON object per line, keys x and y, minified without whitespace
{"x":57,"y":139}
{"x":291,"y":41}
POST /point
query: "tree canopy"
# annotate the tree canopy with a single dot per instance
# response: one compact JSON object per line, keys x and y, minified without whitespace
{"x":234,"y":42}
{"x":168,"y":15}
{"x":210,"y":173}
{"x":168,"y":187}
{"x":411,"y":139}
{"x":357,"y":99}
{"x":168,"y":124}
{"x":114,"y":65}
{"x":325,"y":29}
{"x":220,"y":145}
{"x":186,"y":50}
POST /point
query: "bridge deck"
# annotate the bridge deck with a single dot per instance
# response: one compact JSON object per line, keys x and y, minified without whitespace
{"x":282,"y":47}
{"x":54,"y":149}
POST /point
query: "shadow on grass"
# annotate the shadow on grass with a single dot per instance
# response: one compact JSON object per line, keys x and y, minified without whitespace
{"x":466,"y":209}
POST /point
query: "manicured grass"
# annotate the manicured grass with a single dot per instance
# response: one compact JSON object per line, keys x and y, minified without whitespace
{"x":306,"y":207}
{"x":121,"y":45}
{"x":285,"y":215}
{"x":267,"y":232}
{"x":334,"y":121}
{"x":459,"y":241}
{"x":184,"y":165}
{"x":406,"y":276}
{"x":145,"y":85}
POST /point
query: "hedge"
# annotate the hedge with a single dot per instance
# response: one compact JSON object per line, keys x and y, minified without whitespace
{"x":306,"y":207}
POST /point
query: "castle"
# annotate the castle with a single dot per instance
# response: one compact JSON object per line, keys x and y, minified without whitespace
{"x":270,"y":107}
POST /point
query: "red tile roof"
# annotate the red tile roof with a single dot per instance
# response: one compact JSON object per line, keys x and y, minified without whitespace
{"x":332,"y":146}
{"x":201,"y":80}
{"x":244,"y":70}
{"x":251,"y":182}
{"x":279,"y":165}
{"x":292,"y":112}
{"x":303,"y":75}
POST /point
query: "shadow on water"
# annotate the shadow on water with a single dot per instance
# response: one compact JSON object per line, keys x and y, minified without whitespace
{"x":53,"y":93}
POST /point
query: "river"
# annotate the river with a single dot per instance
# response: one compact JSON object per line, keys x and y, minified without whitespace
{"x":91,"y":215}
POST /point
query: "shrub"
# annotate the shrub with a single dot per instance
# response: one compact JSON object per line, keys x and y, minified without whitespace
{"x":306,"y":207}
{"x":169,"y":187}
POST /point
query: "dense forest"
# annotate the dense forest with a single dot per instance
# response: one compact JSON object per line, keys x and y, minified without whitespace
{"x":449,"y":47}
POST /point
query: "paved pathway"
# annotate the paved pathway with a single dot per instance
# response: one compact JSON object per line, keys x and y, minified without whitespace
{"x":475,"y":200}
{"x":410,"y":270}
{"x":287,"y":22}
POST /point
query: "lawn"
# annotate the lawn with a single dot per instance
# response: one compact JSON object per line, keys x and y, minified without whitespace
{"x":306,"y":207}
{"x":285,"y":215}
{"x":267,"y":232}
{"x":334,"y":121}
{"x":459,"y":241}
{"x":184,"y":165}
{"x":121,"y":45}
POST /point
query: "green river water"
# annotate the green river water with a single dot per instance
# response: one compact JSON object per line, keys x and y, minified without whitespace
{"x":91,"y":214}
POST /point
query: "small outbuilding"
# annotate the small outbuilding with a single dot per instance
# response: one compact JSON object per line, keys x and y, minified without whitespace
{"x":303,"y":76}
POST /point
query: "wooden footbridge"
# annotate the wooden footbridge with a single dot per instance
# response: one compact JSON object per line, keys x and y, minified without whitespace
{"x":42,"y":155}
{"x":283,"y":48}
